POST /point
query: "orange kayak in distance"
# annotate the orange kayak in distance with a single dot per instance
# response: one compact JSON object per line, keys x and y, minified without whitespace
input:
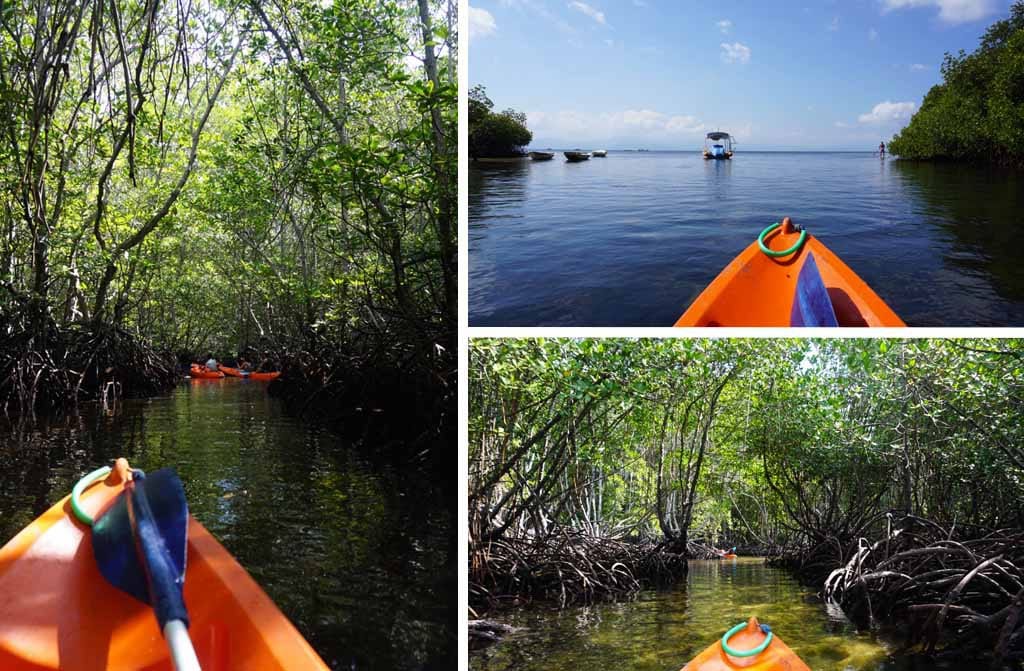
{"x":57,"y":611}
{"x":750,"y":647}
{"x":788,"y":278}
{"x":202,"y":374}
{"x":235,"y":372}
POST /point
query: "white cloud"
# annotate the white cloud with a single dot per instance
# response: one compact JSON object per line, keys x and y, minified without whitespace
{"x":888,"y":112}
{"x":481,"y":23}
{"x":724,"y":25}
{"x":950,"y":11}
{"x":873,"y":35}
{"x":593,"y":13}
{"x":735,"y":52}
{"x":635,"y":124}
{"x":834,"y":26}
{"x":917,"y":67}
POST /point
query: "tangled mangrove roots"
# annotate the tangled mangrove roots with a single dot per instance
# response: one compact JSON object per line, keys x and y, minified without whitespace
{"x":700,"y":550}
{"x":54,"y":369}
{"x":960,"y":589}
{"x":567,"y":566}
{"x":402,"y":393}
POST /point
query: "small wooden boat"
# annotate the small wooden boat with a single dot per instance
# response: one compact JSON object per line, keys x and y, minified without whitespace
{"x":542,"y":155}
{"x":787,"y":277}
{"x":202,"y":373}
{"x":57,"y":611}
{"x":718,"y":145}
{"x":576,"y":156}
{"x":750,"y":646}
{"x":599,"y":153}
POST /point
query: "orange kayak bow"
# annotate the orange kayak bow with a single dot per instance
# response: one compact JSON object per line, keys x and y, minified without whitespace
{"x":58,"y":612}
{"x":788,"y":278}
{"x":201,"y":373}
{"x":750,"y":646}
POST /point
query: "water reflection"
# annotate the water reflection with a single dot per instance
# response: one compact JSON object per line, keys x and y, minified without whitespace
{"x":661,"y":631}
{"x":355,"y":554}
{"x":632,"y":239}
{"x":981,"y":210}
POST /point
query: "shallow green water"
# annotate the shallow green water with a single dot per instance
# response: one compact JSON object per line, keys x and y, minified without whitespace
{"x":662,"y":631}
{"x":354,"y":552}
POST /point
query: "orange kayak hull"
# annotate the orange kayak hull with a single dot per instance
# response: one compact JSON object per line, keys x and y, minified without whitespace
{"x":776,"y":657}
{"x":729,"y":556}
{"x":58,"y":612}
{"x":235,"y":372}
{"x":759,"y":290}
{"x":203,"y":374}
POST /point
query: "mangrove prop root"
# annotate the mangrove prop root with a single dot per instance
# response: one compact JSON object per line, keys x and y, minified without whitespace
{"x":53,"y":369}
{"x":566,"y":566}
{"x":960,"y":589}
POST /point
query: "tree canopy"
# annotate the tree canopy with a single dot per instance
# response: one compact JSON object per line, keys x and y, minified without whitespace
{"x":211,"y":176}
{"x":764,"y":442}
{"x":977,"y":112}
{"x":495,"y":135}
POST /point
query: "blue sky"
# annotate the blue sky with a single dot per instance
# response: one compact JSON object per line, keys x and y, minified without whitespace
{"x":660,"y":73}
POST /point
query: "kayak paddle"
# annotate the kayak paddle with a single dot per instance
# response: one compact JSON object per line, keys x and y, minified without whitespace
{"x":139,"y":545}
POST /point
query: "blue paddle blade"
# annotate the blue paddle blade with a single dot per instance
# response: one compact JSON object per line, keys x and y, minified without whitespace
{"x":139,"y":543}
{"x":811,"y":305}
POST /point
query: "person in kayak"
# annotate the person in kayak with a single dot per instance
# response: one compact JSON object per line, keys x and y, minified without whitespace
{"x":211,"y":363}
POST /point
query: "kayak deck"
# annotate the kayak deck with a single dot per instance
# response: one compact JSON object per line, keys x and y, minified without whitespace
{"x":777,"y":656}
{"x":760,"y":290}
{"x":58,"y":612}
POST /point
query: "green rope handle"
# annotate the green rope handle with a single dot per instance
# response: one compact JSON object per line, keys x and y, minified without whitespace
{"x":771,"y":252}
{"x":745,"y":653}
{"x":76,"y":492}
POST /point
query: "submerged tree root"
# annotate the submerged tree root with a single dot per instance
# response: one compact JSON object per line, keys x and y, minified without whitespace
{"x":566,"y":566}
{"x":55,"y":369}
{"x":961,"y":590}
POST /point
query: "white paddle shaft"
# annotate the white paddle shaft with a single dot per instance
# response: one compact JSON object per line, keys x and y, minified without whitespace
{"x":182,"y":653}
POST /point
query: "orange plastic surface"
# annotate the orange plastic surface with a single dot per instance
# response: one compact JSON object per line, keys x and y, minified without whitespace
{"x":758,"y":290}
{"x":235,"y":372}
{"x":203,"y":374}
{"x":729,"y":556}
{"x":58,"y":612}
{"x":264,"y":376}
{"x":776,"y":657}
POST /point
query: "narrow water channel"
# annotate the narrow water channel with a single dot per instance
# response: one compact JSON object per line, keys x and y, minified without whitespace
{"x":662,"y":631}
{"x":355,"y":553}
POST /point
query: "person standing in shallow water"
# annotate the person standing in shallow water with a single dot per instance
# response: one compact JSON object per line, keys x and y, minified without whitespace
{"x":881,"y":148}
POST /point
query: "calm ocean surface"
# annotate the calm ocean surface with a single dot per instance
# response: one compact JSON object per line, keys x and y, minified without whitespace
{"x":632,"y":239}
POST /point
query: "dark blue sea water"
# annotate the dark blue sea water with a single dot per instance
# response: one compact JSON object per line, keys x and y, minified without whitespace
{"x":632,"y":239}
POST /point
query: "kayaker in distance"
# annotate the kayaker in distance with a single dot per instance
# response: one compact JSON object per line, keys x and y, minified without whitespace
{"x":211,"y":363}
